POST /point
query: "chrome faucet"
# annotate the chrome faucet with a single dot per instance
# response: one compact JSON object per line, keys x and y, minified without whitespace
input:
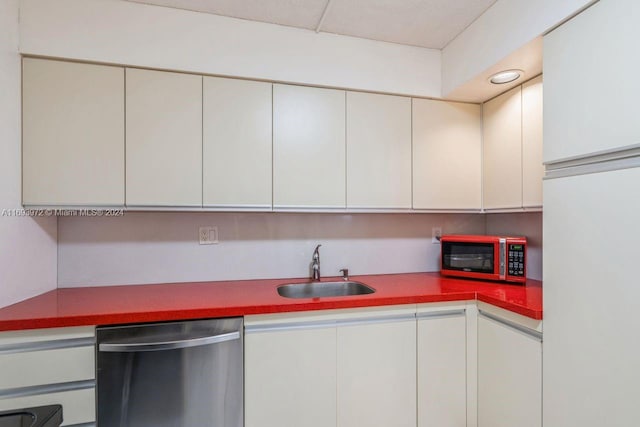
{"x":315,"y":265}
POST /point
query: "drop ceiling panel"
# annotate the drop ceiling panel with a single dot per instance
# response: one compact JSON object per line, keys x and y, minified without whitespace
{"x":293,"y":13}
{"x":426,"y":23}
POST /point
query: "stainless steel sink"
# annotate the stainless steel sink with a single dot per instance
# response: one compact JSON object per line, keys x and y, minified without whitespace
{"x":324,"y":289}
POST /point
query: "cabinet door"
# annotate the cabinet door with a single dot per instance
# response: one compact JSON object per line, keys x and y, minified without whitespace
{"x":442,"y":369}
{"x":236,"y":143}
{"x":509,"y":376}
{"x":378,"y":151}
{"x":377,"y":374}
{"x":308,"y":147}
{"x":532,"y":167}
{"x":73,"y":134}
{"x":503,"y":151}
{"x":164,"y":138}
{"x":290,"y":378}
{"x":447,"y":155}
{"x":590,"y":104}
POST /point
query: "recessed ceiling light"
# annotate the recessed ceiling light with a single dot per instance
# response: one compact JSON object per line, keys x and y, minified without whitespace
{"x":505,"y":77}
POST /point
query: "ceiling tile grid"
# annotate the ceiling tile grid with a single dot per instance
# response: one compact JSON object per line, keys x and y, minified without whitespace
{"x":425,"y":23}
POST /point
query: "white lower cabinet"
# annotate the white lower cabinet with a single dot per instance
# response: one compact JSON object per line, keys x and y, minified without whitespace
{"x":48,"y":367}
{"x":290,"y":375}
{"x":509,"y":370}
{"x":453,"y":364}
{"x":377,"y":371}
{"x":345,"y":368}
{"x":442,"y":367}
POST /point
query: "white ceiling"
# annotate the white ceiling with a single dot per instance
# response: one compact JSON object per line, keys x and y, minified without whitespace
{"x":425,"y":23}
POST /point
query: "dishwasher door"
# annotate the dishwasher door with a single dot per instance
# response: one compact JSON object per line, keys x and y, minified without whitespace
{"x":179,"y":374}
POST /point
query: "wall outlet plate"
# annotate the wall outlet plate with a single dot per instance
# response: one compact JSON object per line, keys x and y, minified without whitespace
{"x":208,"y":235}
{"x":436,"y":234}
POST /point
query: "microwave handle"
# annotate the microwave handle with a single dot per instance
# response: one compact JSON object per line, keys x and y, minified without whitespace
{"x":503,"y":257}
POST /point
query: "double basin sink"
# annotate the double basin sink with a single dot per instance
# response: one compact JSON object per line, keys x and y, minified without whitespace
{"x":324,"y":289}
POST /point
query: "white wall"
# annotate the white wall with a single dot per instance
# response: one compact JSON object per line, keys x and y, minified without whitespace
{"x":522,"y":224}
{"x":500,"y":31}
{"x":163,"y":247}
{"x":27,"y":246}
{"x":121,"y":32}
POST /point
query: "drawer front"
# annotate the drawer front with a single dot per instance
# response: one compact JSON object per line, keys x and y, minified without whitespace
{"x":34,"y":368}
{"x":78,"y":406}
{"x":31,"y":337}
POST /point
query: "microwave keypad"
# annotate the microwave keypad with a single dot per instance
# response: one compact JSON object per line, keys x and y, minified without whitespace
{"x":516,"y":260}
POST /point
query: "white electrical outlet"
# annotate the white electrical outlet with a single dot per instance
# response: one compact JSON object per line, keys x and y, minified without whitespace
{"x":208,"y":235}
{"x":436,"y":234}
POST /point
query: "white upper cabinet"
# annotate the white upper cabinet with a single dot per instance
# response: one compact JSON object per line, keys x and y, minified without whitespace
{"x":73,"y":134}
{"x":378,"y":151}
{"x":513,"y":168}
{"x":164,"y":138}
{"x":503,"y":151}
{"x":308,"y":147}
{"x":532,"y":167}
{"x":236,"y":143}
{"x":447,"y":155}
{"x":591,"y":95}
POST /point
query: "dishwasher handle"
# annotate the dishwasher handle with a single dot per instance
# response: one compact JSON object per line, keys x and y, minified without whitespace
{"x":167,"y":345}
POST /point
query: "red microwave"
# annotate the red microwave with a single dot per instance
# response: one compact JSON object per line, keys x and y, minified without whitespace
{"x":484,"y":257}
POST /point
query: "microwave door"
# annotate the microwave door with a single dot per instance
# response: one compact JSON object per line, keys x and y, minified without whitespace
{"x":468,"y":257}
{"x":470,"y":262}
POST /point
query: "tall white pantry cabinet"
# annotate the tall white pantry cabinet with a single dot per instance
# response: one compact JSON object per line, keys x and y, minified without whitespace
{"x":592,"y":205}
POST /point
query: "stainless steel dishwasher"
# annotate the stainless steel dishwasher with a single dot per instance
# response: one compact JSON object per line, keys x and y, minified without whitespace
{"x":178,"y":374}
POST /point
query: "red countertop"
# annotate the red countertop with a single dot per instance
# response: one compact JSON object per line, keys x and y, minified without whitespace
{"x":107,"y":305}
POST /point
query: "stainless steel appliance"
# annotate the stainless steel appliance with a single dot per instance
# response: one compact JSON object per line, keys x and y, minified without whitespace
{"x":179,"y":374}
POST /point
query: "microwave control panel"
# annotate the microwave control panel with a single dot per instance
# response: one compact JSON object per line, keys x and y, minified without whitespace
{"x":516,"y":260}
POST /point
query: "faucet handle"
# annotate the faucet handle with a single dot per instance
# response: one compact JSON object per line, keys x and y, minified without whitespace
{"x":345,"y":273}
